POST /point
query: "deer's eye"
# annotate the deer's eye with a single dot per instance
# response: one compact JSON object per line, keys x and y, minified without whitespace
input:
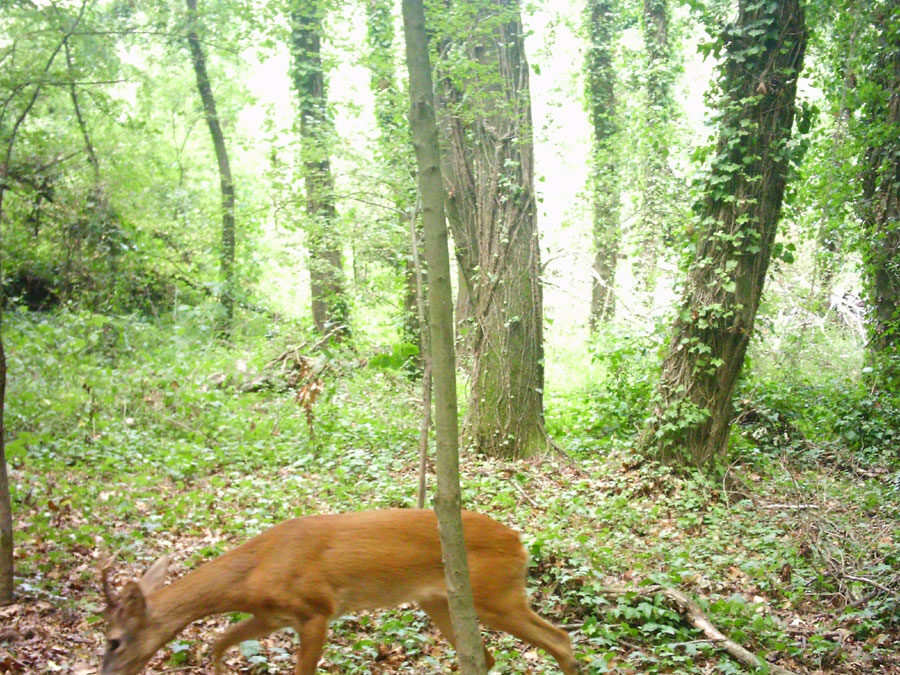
{"x":114,"y":644}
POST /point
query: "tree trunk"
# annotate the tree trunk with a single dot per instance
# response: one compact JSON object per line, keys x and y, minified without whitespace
{"x":881,"y":202}
{"x":226,"y":185}
{"x":692,"y":415}
{"x":601,"y":97}
{"x":656,"y":178}
{"x":395,"y":156}
{"x":330,"y":308}
{"x":463,"y":319}
{"x":76,"y":106}
{"x":835,"y":181}
{"x":491,"y":208}
{"x":8,"y":133}
{"x":6,"y":531}
{"x":470,"y":650}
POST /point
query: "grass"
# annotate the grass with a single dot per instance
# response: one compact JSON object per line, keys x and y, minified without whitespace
{"x":134,"y":437}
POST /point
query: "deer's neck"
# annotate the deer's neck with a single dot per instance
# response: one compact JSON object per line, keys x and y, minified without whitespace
{"x":213,"y":588}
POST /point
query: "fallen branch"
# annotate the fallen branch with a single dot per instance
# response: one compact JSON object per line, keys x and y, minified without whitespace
{"x":790,"y":507}
{"x":871,"y":582}
{"x":691,"y":611}
{"x":524,"y":494}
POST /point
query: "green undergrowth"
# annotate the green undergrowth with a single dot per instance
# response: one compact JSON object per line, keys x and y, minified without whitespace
{"x":140,"y":438}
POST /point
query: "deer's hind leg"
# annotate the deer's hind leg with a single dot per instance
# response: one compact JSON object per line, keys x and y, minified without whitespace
{"x":513,"y":615}
{"x":438,"y":611}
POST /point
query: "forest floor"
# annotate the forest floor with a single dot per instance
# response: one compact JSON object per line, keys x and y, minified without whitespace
{"x":721,"y":552}
{"x":794,"y":558}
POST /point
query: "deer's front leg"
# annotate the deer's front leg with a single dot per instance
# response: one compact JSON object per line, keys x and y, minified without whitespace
{"x":248,"y":629}
{"x":312,"y":631}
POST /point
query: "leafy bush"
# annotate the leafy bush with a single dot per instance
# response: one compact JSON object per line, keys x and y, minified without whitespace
{"x":813,"y":420}
{"x":630,"y":373}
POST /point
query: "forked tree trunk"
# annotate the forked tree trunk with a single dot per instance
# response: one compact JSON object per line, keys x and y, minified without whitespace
{"x":226,"y":184}
{"x":692,"y":417}
{"x":431,"y":190}
{"x":601,"y":98}
{"x":330,"y":308}
{"x":881,"y":207}
{"x":491,"y":208}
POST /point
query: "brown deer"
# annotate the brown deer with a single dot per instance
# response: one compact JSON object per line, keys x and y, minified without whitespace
{"x":307,"y":571}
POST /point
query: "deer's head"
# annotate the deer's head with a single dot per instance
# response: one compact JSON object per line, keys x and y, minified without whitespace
{"x":133,"y":635}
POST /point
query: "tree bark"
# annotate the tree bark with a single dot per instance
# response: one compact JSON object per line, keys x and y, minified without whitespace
{"x":226,"y":184}
{"x":601,"y":97}
{"x":692,"y":415}
{"x":656,"y":178}
{"x":881,"y":203}
{"x":330,"y":307}
{"x":491,"y":208}
{"x":470,"y":650}
{"x":427,"y":366}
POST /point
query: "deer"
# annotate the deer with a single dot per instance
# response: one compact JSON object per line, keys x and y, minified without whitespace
{"x":305,"y":572}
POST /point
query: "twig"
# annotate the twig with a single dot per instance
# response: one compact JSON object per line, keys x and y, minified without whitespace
{"x":522,"y":492}
{"x":695,"y":616}
{"x":185,"y":427}
{"x":327,"y":337}
{"x":790,"y":507}
{"x":871,"y":582}
{"x":865,"y":599}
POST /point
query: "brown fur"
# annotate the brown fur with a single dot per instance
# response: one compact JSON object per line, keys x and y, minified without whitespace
{"x":307,"y":571}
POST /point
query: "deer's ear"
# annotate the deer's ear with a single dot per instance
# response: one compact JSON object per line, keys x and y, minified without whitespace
{"x":131,"y":605}
{"x":154,"y":576}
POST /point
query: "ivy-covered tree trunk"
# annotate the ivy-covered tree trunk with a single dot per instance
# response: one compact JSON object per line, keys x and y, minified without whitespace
{"x":330,"y":308}
{"x":489,"y":166}
{"x":463,"y":631}
{"x":601,"y":97}
{"x":738,"y":217}
{"x":393,"y":154}
{"x":226,"y":184}
{"x":656,"y":138}
{"x":881,"y":195}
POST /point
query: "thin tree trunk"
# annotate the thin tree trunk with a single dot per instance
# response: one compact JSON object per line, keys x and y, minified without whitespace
{"x":6,"y":530}
{"x":881,"y":204}
{"x":692,"y":415}
{"x":829,"y":238}
{"x":492,"y":213}
{"x":470,"y":650}
{"x":330,"y":308}
{"x":601,"y":97}
{"x":9,"y":142}
{"x":73,"y":94}
{"x":226,"y":184}
{"x":428,"y":368}
{"x":396,"y":156}
{"x":463,"y":320}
